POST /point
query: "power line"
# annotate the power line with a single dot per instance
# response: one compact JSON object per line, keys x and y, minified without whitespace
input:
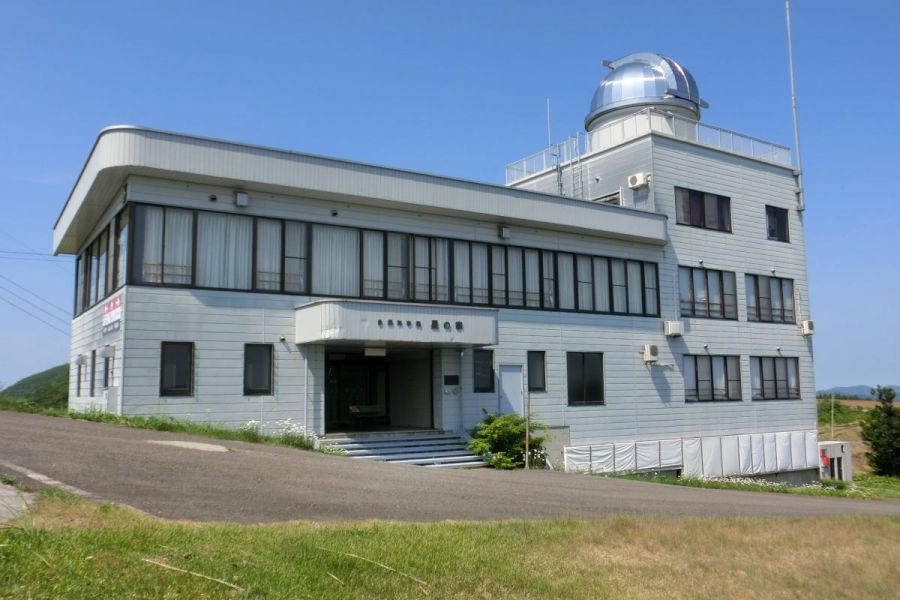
{"x":32,"y":305}
{"x":33,"y":316}
{"x":38,"y":296}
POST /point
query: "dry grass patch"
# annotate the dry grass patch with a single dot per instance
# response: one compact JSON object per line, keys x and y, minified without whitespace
{"x":70,"y":548}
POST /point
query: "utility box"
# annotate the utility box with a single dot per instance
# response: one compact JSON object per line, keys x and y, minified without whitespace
{"x":836,"y":460}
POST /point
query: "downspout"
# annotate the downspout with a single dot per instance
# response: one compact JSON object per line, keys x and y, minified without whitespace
{"x":462,"y":426}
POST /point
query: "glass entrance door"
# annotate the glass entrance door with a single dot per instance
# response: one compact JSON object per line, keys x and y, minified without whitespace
{"x":355,"y":393}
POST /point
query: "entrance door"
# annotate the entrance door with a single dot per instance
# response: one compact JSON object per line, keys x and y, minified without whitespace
{"x":511,"y":389}
{"x":355,"y":394}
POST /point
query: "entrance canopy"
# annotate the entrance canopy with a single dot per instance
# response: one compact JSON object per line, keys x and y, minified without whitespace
{"x":380,"y":323}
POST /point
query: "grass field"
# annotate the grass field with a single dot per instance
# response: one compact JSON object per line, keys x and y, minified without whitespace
{"x":71,"y":548}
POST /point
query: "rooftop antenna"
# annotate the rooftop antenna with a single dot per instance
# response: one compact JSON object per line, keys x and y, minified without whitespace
{"x":801,"y":205}
{"x":549,"y":139}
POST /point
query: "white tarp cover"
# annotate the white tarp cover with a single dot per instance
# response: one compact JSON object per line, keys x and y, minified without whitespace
{"x":812,"y":449}
{"x":670,"y":453}
{"x":625,"y":456}
{"x":783,"y":450}
{"x":693,"y":461}
{"x":798,"y":450}
{"x":731,"y":464}
{"x":712,"y":456}
{"x":602,"y":458}
{"x":647,"y":454}
{"x":757,"y":453}
{"x":769,"y":453}
{"x":745,"y":449}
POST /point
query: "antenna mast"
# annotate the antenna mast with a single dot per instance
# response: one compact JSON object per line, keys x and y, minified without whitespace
{"x":799,"y":171}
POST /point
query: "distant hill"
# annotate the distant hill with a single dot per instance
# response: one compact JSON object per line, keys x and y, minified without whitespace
{"x":53,"y":381}
{"x":856,"y":391}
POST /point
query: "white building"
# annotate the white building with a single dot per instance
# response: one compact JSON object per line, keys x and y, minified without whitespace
{"x":225,"y":282}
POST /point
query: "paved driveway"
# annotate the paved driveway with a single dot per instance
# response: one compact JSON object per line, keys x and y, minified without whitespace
{"x":255,"y":483}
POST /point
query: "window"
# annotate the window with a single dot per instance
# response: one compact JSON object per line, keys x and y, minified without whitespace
{"x":537,"y":379}
{"x":164,"y":242}
{"x":707,"y":293}
{"x":93,"y":382}
{"x":498,"y":275}
{"x":515,"y":267}
{"x":711,"y":378}
{"x":584,"y":374}
{"x":79,"y":284}
{"x":770,"y":299}
{"x":176,"y":374}
{"x":619,"y":286}
{"x":178,"y":248}
{"x":224,"y":251}
{"x":106,"y":369}
{"x":585,"y":287}
{"x":268,"y":255}
{"x":700,"y":209}
{"x":774,"y":378}
{"x":483,"y":363}
{"x":296,"y":267}
{"x":532,"y":278}
{"x":462,"y":280}
{"x":373,"y":264}
{"x":258,"y":369}
{"x":601,"y":285}
{"x":480,"y":284}
{"x":397,"y":266}
{"x":102,"y":265}
{"x":422,"y":269}
{"x":95,"y":259}
{"x":120,"y":268}
{"x":777,"y":224}
{"x":548,"y":274}
{"x":78,"y":377}
{"x":335,"y":260}
{"x":651,"y":291}
{"x":566,"y":268}
{"x":440,"y":261}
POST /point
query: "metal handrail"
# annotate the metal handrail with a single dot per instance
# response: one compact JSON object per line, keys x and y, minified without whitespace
{"x":641,"y":123}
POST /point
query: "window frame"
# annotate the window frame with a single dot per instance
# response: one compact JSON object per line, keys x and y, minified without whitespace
{"x":701,"y":201}
{"x":695,"y":360}
{"x":270,"y":380}
{"x":542,"y":386}
{"x":176,"y":392}
{"x":792,"y":394}
{"x":490,"y":355}
{"x":755,"y":308}
{"x":782,"y":226}
{"x":582,"y":359}
{"x":92,"y":387}
{"x":692,"y":301}
{"x":545,"y":296}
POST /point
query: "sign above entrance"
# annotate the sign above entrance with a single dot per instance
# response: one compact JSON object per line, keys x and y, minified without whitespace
{"x":392,"y":322}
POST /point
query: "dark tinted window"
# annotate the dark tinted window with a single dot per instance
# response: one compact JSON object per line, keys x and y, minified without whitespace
{"x":484,"y":370}
{"x":584,"y":372}
{"x":257,"y":369}
{"x":777,"y":224}
{"x":176,"y":369}
{"x":537,"y":381}
{"x":702,"y":209}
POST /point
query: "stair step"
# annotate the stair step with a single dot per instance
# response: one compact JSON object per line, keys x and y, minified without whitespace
{"x":401,"y":457}
{"x":475,"y":464}
{"x":388,"y":443}
{"x":443,"y":460}
{"x":402,"y":449}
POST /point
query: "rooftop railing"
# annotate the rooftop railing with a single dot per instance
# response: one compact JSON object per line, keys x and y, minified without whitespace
{"x":641,"y":123}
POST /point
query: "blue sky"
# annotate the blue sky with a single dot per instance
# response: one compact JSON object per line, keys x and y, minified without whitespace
{"x":456,"y":88}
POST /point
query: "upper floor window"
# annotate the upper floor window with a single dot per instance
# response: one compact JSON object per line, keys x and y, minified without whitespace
{"x":163,"y":246}
{"x":711,"y":378}
{"x":774,"y":378}
{"x":707,"y":293}
{"x":770,"y":299}
{"x":702,"y":209}
{"x":777,"y":224}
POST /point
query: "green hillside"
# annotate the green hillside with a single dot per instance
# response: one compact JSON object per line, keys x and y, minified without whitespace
{"x":48,"y":388}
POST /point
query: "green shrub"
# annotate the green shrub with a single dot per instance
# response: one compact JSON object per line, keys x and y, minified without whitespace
{"x":501,"y":440}
{"x":881,"y":428}
{"x":843,"y":414}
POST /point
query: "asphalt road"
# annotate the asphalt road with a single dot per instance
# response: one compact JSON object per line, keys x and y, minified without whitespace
{"x":254,"y":483}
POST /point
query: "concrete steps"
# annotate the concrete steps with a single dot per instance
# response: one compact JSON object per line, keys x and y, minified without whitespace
{"x":423,"y":448}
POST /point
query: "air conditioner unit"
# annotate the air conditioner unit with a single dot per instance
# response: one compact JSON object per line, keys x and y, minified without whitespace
{"x":638,"y":180}
{"x":241,"y":199}
{"x":808,"y":328}
{"x":673,"y":328}
{"x":651,"y":354}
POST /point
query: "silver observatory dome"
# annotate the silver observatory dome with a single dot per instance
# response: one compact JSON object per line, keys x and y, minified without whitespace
{"x":644,"y":79}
